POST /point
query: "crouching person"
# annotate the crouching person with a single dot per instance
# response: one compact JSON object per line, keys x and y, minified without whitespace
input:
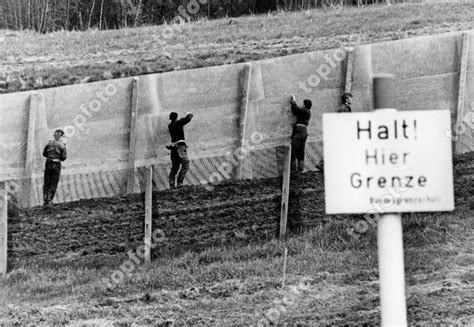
{"x":55,"y":152}
{"x":178,"y":147}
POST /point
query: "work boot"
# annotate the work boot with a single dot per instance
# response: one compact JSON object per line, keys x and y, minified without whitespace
{"x":172,"y":184}
{"x":50,"y":197}
{"x":45,"y":198}
{"x":300,"y":166}
{"x":45,"y":195}
{"x":320,"y":166}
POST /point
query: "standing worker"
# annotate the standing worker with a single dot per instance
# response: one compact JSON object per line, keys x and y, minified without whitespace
{"x":55,"y":152}
{"x":300,"y":133}
{"x":179,"y":155}
{"x":346,"y":99}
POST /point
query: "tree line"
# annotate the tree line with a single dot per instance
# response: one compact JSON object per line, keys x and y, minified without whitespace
{"x":51,"y":15}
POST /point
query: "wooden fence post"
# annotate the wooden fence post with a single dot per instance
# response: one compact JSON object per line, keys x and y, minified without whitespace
{"x":462,"y":93}
{"x":30,"y":153}
{"x":148,"y":211}
{"x":245,"y":86}
{"x":3,"y":227}
{"x":133,"y":137}
{"x":285,"y":192}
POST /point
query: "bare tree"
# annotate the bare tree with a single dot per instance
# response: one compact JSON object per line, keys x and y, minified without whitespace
{"x":101,"y":12}
{"x":90,"y":15}
{"x":139,"y":9}
{"x":68,"y":7}
{"x":50,"y":15}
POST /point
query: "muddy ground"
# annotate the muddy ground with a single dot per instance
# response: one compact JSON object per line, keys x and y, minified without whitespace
{"x":191,"y":218}
{"x":336,"y":280}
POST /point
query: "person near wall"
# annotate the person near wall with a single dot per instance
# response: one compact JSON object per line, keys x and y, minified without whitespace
{"x":178,"y":147}
{"x":346,"y":99}
{"x":55,"y":152}
{"x":300,"y":133}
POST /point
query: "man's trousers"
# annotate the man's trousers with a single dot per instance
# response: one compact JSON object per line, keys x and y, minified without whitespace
{"x":52,"y":172}
{"x":298,"y":143}
{"x":179,"y":163}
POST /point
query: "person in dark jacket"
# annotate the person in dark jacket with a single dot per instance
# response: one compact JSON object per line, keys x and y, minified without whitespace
{"x":346,"y":99}
{"x":55,"y":152}
{"x":179,"y":155}
{"x":300,"y":133}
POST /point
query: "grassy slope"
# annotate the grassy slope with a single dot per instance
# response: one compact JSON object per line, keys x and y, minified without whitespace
{"x":95,"y":55}
{"x":240,"y":285}
{"x":335,"y":277}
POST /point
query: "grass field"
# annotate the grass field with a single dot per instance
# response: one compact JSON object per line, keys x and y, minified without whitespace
{"x":32,"y":60}
{"x":332,"y":278}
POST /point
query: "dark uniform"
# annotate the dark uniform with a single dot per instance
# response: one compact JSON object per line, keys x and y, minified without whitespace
{"x":179,"y":155}
{"x":299,"y":136}
{"x":55,"y":152}
{"x":345,"y":108}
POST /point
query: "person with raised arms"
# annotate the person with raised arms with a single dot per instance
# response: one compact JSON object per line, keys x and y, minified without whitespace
{"x":300,"y":133}
{"x":178,"y":147}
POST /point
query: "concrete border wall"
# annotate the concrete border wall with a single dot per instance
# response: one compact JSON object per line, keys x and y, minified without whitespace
{"x":96,"y":116}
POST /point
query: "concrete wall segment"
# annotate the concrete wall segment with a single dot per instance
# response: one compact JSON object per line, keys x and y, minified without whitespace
{"x":362,"y":75}
{"x":470,"y":60}
{"x":466,"y":136}
{"x":90,"y":102}
{"x":317,"y":71}
{"x":429,"y":92}
{"x":428,"y":68}
{"x":417,"y":57}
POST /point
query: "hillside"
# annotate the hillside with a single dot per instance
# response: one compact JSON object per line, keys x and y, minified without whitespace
{"x":31,"y":61}
{"x":220,"y":264}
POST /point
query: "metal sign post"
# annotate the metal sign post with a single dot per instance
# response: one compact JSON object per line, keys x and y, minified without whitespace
{"x":389,"y":234}
{"x":387,"y":162}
